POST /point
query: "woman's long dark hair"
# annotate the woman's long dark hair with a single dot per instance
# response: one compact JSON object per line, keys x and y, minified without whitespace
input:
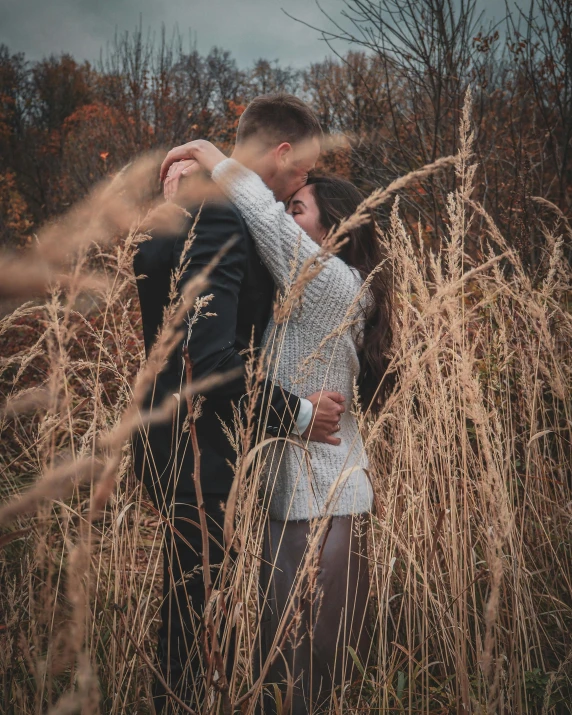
{"x":337,"y":199}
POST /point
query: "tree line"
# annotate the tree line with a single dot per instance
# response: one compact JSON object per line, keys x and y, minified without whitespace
{"x":395,"y":94}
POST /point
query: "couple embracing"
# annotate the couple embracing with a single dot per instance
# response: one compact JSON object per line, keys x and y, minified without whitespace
{"x":279,"y":215}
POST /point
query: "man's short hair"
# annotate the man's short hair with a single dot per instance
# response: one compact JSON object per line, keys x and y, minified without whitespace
{"x":277,"y":118}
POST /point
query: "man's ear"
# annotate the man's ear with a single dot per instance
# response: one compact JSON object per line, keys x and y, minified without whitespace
{"x":282,"y":153}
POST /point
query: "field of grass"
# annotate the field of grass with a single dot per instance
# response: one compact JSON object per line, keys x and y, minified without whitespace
{"x":471,"y":462}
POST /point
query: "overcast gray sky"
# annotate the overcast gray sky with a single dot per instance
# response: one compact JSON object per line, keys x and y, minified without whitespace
{"x":248,"y":28}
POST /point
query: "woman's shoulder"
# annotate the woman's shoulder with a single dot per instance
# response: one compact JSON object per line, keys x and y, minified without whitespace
{"x":356,"y":276}
{"x":346,"y":278}
{"x":330,"y":299}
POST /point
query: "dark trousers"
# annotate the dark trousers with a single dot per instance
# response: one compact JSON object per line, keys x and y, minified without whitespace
{"x":332,"y":618}
{"x":180,"y":659}
{"x":328,"y":620}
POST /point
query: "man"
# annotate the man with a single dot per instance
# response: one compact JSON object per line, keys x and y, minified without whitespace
{"x":279,"y":137}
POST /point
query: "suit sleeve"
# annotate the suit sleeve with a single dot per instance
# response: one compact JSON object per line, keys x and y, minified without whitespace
{"x":211,"y":340}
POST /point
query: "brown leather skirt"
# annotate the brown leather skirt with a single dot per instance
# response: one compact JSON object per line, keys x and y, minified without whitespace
{"x":322,"y":616}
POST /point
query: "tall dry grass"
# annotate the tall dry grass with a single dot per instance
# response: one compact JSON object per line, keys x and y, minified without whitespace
{"x":470,"y":461}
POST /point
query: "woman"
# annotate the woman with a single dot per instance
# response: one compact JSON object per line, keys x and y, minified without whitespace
{"x":336,"y":336}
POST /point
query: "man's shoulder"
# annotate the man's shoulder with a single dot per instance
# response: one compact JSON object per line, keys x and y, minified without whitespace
{"x":217,"y":211}
{"x":221,"y":207}
{"x":212,"y":224}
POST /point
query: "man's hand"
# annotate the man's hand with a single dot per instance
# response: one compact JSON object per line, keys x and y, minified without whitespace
{"x":328,"y":410}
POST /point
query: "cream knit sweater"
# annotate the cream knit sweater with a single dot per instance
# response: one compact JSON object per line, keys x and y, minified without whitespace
{"x":311,"y":352}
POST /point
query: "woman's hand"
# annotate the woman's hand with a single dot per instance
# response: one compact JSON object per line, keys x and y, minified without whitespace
{"x":174,"y":174}
{"x":202,"y":151}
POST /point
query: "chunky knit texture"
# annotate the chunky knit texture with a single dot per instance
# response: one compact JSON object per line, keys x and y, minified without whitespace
{"x":312,"y":351}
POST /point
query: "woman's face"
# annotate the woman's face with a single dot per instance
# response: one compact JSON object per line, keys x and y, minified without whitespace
{"x":304,"y":209}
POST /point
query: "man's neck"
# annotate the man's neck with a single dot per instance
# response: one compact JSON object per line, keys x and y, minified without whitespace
{"x":260,"y":162}
{"x":250,"y":158}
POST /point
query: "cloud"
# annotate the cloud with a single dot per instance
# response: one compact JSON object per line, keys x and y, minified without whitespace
{"x":248,"y":28}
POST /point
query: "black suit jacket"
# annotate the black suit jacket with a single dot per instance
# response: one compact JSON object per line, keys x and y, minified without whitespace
{"x":243,"y":293}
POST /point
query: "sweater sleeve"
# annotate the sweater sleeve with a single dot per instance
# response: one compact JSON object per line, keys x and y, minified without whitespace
{"x":281,"y":243}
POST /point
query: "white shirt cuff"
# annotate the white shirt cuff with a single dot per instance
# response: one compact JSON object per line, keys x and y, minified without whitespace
{"x":304,"y":415}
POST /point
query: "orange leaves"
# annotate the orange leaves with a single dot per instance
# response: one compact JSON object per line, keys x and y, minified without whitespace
{"x":14,"y":216}
{"x":235,"y":111}
{"x":235,"y":108}
{"x":89,"y":113}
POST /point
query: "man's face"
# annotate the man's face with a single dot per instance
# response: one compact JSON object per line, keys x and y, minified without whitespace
{"x":290,"y":165}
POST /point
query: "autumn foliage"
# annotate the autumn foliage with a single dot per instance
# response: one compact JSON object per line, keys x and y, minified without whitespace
{"x":395,"y":97}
